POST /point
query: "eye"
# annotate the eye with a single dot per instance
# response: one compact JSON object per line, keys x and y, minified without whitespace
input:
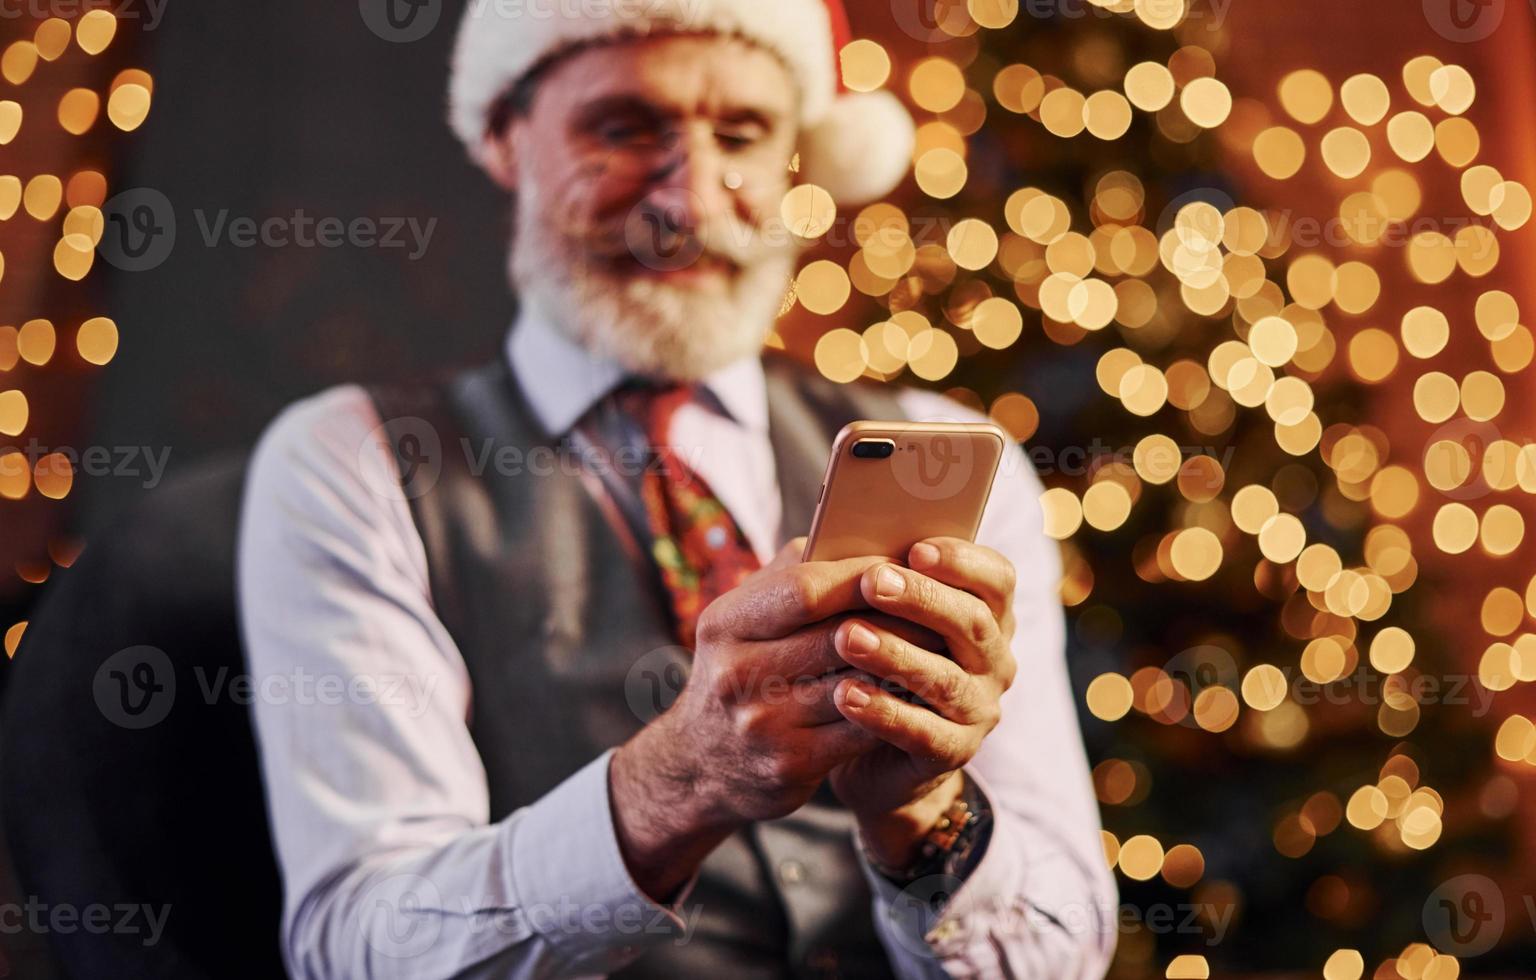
{"x":620,"y":131}
{"x":629,"y":129}
{"x":739,"y":137}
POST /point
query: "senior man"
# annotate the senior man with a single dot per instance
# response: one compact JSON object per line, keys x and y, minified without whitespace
{"x":498,"y":794}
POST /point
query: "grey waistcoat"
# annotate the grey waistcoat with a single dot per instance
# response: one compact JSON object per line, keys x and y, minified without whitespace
{"x":563,"y":624}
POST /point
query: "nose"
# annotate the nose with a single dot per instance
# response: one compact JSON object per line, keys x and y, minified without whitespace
{"x":692,"y":188}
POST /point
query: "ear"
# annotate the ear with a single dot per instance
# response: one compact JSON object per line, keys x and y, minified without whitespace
{"x":498,"y":154}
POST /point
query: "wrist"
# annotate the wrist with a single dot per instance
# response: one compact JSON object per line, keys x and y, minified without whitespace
{"x":893,"y":839}
{"x":665,"y":823}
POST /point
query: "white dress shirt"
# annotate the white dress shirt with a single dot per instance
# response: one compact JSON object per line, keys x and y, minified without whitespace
{"x":377,"y":796}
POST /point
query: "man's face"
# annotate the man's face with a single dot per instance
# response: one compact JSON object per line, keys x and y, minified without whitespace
{"x":645,"y":172}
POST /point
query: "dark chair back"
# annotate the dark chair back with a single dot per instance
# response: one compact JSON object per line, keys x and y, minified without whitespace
{"x":129,"y":775}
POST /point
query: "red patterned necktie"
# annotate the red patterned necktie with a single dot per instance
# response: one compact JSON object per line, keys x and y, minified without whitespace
{"x":695,"y":543}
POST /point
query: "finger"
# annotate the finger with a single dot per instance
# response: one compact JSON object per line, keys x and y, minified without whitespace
{"x":970,"y":631}
{"x":811,"y":651}
{"x":830,"y":745}
{"x":973,"y":568}
{"x":935,"y":678}
{"x":805,"y":654}
{"x":788,"y":555}
{"x":934,"y":742}
{"x":812,"y":702}
{"x":778,"y":602}
{"x":914,"y":634}
{"x":777,"y":707}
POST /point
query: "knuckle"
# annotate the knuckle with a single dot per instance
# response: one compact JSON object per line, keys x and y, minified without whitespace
{"x":946,"y":751}
{"x":787,"y":770}
{"x":781,"y":768}
{"x":801,"y":589}
{"x":883,"y":709}
{"x":925,"y":592}
{"x":1010,"y":578}
{"x":991,"y":714}
{"x":753,"y":720}
{"x":953,"y":688}
{"x":958,"y":750}
{"x":980,"y":626}
{"x":925,"y":747}
{"x":708,"y":630}
{"x":1007,"y":670}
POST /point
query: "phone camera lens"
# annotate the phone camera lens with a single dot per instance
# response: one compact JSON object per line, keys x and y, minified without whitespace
{"x":873,"y":449}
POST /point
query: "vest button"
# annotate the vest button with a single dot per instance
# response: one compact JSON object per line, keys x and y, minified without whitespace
{"x":822,"y":963}
{"x":791,"y":872}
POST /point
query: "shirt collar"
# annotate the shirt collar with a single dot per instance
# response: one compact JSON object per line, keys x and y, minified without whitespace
{"x":563,"y":380}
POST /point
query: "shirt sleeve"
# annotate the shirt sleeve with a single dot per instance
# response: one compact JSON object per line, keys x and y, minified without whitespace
{"x":1041,"y":900}
{"x":377,"y":796}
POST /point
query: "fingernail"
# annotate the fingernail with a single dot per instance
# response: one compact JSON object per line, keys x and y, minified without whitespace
{"x":856,"y":696}
{"x":862,"y":639}
{"x":888,"y":583}
{"x":923,"y":555}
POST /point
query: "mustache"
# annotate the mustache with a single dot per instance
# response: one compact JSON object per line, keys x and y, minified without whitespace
{"x":648,"y":231}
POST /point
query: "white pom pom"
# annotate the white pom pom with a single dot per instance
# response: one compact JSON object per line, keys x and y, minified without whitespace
{"x":861,"y":149}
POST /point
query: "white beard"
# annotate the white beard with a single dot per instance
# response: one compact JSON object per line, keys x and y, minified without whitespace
{"x":650,"y":328}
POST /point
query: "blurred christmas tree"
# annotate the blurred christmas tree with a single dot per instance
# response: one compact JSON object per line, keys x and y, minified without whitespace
{"x":1291,"y":759}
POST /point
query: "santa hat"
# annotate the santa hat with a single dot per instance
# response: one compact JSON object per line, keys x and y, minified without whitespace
{"x":856,"y":145}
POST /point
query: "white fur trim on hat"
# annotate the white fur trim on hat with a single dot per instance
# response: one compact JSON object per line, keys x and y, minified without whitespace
{"x":861,"y":149}
{"x":500,"y":40}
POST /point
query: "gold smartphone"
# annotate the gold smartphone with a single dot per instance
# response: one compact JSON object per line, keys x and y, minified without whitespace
{"x":889,"y":485}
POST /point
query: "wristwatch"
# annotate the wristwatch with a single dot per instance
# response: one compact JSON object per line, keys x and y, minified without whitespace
{"x":955,"y":843}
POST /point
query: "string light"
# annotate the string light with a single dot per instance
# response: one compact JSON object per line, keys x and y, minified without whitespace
{"x":1149,"y":285}
{"x":1195,"y":319}
{"x":69,"y":209}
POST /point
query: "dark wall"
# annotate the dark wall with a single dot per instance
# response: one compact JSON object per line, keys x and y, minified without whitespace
{"x":263,"y":110}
